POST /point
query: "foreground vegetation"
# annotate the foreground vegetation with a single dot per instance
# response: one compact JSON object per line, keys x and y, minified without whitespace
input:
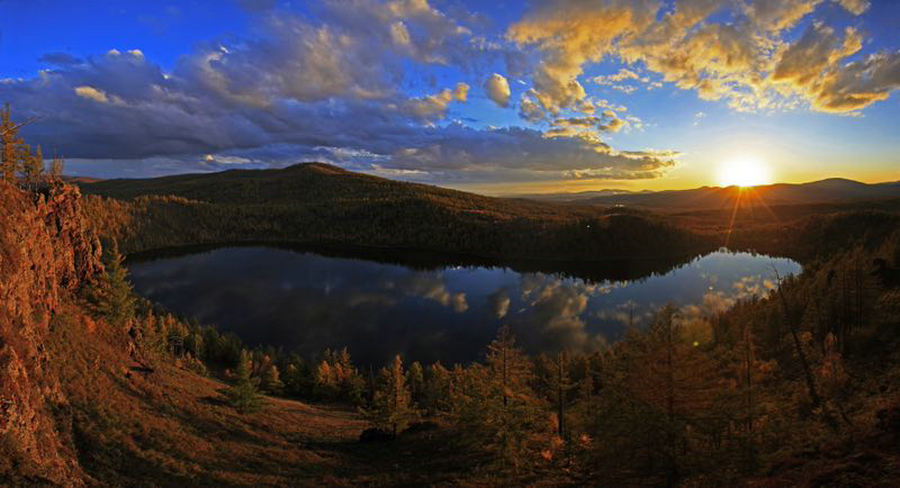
{"x":796,"y":389}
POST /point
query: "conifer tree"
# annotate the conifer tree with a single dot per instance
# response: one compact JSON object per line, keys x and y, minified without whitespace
{"x":244,"y":394}
{"x":325,"y":380}
{"x":56,"y":168}
{"x":13,"y":147}
{"x":392,"y":408}
{"x":116,"y":298}
{"x":271,"y":380}
{"x":415,"y":377}
{"x":561,"y":384}
{"x":436,"y":390}
{"x":677,"y":380}
{"x":497,"y":403}
{"x":33,"y":168}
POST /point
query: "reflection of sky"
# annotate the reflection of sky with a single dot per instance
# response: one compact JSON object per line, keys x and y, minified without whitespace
{"x":307,"y":302}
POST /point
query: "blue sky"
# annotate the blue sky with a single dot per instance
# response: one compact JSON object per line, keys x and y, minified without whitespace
{"x":605,"y":94}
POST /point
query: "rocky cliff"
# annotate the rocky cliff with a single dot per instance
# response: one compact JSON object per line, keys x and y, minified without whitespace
{"x":46,"y":254}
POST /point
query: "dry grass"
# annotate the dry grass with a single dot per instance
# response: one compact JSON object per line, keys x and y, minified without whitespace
{"x":171,"y":427}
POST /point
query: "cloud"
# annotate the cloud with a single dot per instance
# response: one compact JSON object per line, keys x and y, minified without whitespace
{"x":554,"y":316}
{"x":856,"y":7}
{"x":777,"y":15}
{"x":812,"y":66}
{"x":326,"y":89}
{"x":499,"y":303}
{"x":698,"y":117}
{"x":733,"y":59}
{"x":461,"y":92}
{"x":803,"y":62}
{"x":459,"y":302}
{"x":431,"y":286}
{"x":497,"y":89}
{"x":59,"y":59}
{"x":570,"y":33}
{"x":91,"y":93}
{"x":434,"y":107}
{"x":342,"y":83}
{"x":615,"y":81}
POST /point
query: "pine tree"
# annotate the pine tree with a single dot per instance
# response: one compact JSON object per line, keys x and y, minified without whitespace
{"x":392,"y":408}
{"x":244,"y":395}
{"x":116,"y":298}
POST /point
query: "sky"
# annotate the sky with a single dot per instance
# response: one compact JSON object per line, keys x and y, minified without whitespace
{"x":499,"y":97}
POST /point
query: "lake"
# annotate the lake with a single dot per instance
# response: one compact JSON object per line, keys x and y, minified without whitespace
{"x":306,"y":301}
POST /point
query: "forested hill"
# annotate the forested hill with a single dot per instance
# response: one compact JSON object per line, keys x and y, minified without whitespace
{"x":315,"y":203}
{"x":307,"y":182}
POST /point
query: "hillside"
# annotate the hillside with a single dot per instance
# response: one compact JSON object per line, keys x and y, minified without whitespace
{"x":319,"y":183}
{"x":319,"y":204}
{"x":833,"y":190}
{"x":86,"y":401}
{"x":99,"y":389}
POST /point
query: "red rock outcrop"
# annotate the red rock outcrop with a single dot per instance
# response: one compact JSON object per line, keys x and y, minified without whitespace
{"x":46,"y":253}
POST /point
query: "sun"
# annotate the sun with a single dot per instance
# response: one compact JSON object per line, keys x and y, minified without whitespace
{"x":744,"y":172}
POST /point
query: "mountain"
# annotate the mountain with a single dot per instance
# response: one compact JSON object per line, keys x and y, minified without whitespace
{"x":832,"y":190}
{"x":314,"y":203}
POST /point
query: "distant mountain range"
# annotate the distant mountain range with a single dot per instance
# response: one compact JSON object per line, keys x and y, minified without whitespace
{"x":832,"y":190}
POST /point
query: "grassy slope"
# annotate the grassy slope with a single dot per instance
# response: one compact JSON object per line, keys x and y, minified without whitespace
{"x":171,"y":427}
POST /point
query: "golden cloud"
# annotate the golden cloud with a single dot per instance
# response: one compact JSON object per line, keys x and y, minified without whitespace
{"x":745,"y":60}
{"x":497,"y":89}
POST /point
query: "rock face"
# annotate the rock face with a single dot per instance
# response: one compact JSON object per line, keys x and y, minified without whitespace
{"x":46,"y":253}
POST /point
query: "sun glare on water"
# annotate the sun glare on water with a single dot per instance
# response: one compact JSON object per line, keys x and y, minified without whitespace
{"x":744,"y":172}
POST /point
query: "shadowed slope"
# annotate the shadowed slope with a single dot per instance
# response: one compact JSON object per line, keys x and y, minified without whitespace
{"x":320,"y":204}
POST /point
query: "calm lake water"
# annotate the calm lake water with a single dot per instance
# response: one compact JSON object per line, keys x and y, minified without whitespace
{"x":307,"y":302}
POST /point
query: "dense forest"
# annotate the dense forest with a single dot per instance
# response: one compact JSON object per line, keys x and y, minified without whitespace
{"x":320,"y":204}
{"x":102,"y":388}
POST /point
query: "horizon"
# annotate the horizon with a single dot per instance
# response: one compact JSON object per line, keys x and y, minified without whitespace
{"x":548,"y":97}
{"x":514,"y":194}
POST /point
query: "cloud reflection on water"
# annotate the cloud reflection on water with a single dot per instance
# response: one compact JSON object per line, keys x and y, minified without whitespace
{"x":307,"y":302}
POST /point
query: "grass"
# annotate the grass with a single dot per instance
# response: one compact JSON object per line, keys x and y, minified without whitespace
{"x":173,"y":428}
